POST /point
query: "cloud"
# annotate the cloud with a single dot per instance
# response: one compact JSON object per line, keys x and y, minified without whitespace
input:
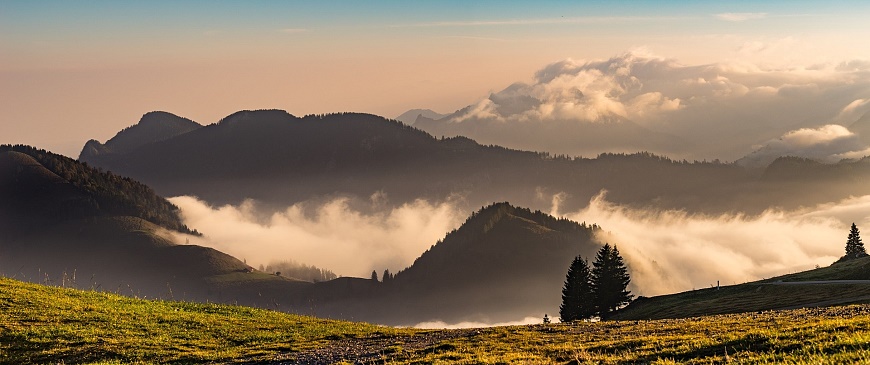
{"x":569,"y":90}
{"x":740,"y":17}
{"x":331,"y":235}
{"x":829,"y":144}
{"x":723,"y":110}
{"x":672,"y":251}
{"x":667,"y":251}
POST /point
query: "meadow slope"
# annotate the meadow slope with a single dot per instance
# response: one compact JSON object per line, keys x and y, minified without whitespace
{"x":40,"y":324}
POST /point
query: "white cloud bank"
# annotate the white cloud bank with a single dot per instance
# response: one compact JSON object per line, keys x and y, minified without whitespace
{"x":722,"y":109}
{"x":671,"y":251}
{"x":667,"y":251}
{"x":331,"y":236}
{"x":829,"y":144}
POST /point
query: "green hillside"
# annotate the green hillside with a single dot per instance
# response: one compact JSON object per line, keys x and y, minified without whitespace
{"x":837,"y":284}
{"x":40,"y":324}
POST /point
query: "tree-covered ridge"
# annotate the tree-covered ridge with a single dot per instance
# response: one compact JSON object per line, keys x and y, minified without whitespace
{"x":358,"y":154}
{"x":109,"y":194}
{"x":153,"y":127}
{"x":482,"y":221}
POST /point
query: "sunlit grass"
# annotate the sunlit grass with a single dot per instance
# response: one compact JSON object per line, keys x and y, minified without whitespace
{"x":41,"y":324}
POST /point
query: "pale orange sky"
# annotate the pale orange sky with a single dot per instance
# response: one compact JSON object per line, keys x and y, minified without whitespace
{"x":68,"y":75}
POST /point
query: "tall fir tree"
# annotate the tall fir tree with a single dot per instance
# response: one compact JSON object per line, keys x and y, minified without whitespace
{"x":375,"y":276}
{"x":610,"y":280}
{"x":854,"y":246}
{"x":577,"y":297}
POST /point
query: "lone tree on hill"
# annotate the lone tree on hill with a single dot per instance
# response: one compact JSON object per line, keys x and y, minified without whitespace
{"x":610,"y":281}
{"x":854,"y":246}
{"x":577,"y":297}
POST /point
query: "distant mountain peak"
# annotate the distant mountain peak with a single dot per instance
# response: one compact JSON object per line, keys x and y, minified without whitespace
{"x":153,"y":127}
{"x":411,"y":116}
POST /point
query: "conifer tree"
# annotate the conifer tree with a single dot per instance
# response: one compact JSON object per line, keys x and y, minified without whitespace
{"x":374,"y":275}
{"x":854,"y":246}
{"x":610,"y":281}
{"x":577,"y":297}
{"x":387,"y":276}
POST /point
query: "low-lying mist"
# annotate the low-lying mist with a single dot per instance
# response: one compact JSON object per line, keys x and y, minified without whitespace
{"x":671,"y":251}
{"x":442,"y":324}
{"x":334,"y":235}
{"x":667,"y":251}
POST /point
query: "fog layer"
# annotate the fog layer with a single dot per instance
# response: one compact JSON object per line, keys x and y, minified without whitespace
{"x":671,"y":251}
{"x":666,"y":251}
{"x":330,"y":235}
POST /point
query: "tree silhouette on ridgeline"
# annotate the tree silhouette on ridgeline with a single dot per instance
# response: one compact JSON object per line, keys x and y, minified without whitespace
{"x":597,"y":292}
{"x":610,"y":281}
{"x":854,"y":246}
{"x":578,"y":301}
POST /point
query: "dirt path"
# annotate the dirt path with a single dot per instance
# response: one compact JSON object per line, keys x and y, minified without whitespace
{"x":372,"y":349}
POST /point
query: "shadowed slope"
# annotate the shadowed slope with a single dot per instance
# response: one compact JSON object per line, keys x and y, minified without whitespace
{"x":65,"y":223}
{"x":153,"y":127}
{"x":503,"y":264}
{"x":838,"y":284}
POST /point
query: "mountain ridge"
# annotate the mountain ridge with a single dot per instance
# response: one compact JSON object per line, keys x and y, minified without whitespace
{"x":153,"y":127}
{"x":280,"y":159}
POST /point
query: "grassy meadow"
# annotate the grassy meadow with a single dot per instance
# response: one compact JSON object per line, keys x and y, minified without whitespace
{"x":41,"y":325}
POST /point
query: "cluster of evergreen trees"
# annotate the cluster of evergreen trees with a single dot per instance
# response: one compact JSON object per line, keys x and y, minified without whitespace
{"x":595,"y":291}
{"x":386,"y":278}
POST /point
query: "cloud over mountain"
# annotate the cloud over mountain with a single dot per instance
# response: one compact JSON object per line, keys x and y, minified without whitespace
{"x":718,"y":110}
{"x":830,"y":144}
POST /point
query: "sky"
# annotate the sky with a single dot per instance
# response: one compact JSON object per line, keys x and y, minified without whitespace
{"x":73,"y":71}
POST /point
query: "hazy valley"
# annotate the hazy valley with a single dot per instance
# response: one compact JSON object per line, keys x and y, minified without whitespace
{"x":348,"y":176}
{"x":434,"y":182}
